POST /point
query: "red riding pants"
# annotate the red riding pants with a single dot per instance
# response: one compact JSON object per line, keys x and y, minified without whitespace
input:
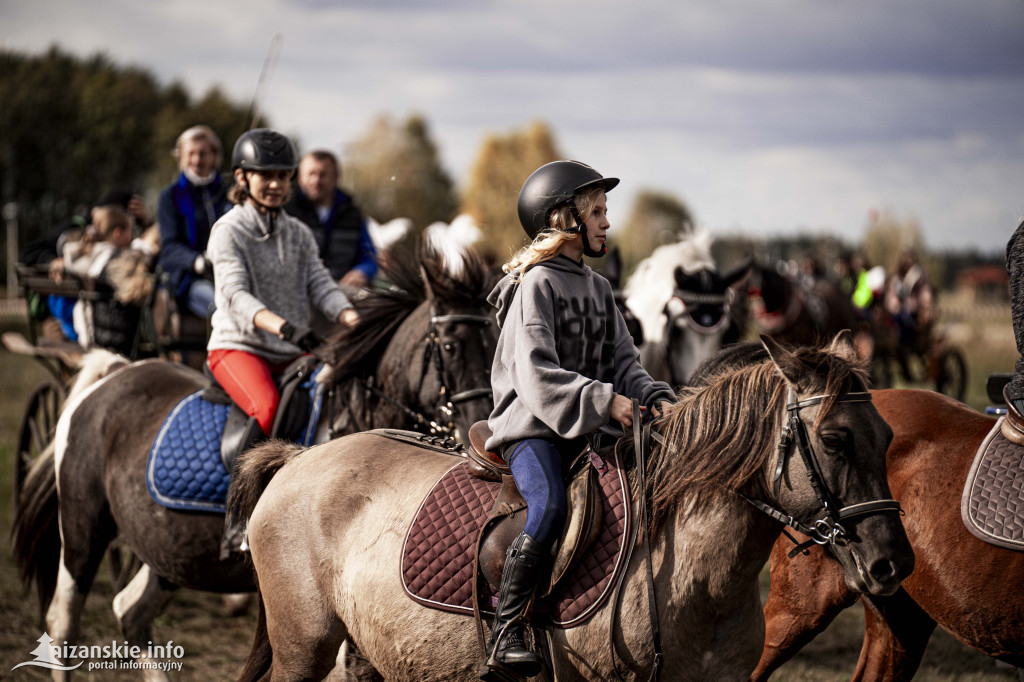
{"x":249,"y":380}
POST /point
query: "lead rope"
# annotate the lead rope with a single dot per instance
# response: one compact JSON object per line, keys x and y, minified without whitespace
{"x":640,"y":434}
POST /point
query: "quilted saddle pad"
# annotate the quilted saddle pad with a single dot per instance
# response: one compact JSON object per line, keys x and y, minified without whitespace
{"x":185,"y":470}
{"x":437,"y":559}
{"x":992,"y":505}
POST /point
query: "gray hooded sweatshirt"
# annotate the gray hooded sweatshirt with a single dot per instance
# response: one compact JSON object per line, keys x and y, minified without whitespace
{"x":562,"y":355}
{"x":256,"y":269}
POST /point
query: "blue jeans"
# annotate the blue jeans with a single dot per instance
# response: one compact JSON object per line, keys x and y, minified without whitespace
{"x":537,"y":469}
{"x":199,"y":298}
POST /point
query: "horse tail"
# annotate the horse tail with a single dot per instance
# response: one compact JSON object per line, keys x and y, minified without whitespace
{"x":35,"y":536}
{"x":253,"y":472}
{"x":261,"y":655}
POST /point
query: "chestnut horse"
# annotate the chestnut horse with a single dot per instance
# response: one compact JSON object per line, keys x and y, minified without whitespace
{"x":970,"y":588}
{"x":327,"y":525}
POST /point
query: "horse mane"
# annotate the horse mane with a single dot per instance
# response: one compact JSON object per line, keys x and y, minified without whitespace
{"x":653,"y":282}
{"x":358,"y":349}
{"x":726,"y":423}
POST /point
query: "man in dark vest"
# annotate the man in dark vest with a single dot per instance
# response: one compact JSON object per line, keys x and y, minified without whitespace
{"x":336,"y":221}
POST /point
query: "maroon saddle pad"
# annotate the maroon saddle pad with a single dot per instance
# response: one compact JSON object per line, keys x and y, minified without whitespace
{"x":992,"y":504}
{"x":437,"y":559}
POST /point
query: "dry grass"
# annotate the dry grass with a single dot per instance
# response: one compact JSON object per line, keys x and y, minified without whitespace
{"x":216,"y":645}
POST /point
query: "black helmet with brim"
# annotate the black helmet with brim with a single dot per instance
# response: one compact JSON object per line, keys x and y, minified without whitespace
{"x":264,"y":149}
{"x":554,"y":185}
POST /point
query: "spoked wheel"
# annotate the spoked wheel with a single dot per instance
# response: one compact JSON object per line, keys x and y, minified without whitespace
{"x":36,"y":431}
{"x":951,"y":374}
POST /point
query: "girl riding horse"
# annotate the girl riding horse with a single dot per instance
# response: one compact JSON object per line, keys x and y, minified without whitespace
{"x":565,"y":365}
{"x":268,"y":273}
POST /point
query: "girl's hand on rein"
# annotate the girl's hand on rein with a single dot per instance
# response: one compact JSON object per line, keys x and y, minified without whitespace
{"x":622,"y":410}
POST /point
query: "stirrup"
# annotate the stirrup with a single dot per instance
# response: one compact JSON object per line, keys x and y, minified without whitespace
{"x":495,"y":671}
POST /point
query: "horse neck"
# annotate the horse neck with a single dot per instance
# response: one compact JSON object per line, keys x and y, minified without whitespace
{"x":707,"y":560}
{"x":717,"y":539}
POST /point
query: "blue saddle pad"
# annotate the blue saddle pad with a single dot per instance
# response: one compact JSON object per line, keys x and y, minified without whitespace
{"x":185,"y":470}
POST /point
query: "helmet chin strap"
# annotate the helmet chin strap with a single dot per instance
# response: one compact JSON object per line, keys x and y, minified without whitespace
{"x":581,"y":229}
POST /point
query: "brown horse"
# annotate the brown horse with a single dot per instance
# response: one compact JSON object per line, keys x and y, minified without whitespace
{"x":970,"y":588}
{"x":797,"y":313}
{"x":422,"y":348}
{"x":327,"y":526}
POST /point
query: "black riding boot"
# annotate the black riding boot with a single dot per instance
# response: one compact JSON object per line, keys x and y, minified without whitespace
{"x":507,"y":652}
{"x":232,"y":543}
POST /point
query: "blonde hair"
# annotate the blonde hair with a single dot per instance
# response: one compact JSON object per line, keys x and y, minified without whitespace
{"x":547,"y":244}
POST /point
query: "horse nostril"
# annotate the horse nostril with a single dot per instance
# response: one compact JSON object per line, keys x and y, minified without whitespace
{"x":883,"y":570}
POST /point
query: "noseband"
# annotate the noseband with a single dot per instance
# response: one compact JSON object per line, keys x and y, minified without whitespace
{"x":827,"y":528}
{"x":688,"y":298}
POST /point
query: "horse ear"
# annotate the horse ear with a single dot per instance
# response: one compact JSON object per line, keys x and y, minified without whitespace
{"x":680,"y":277}
{"x":843,"y":346}
{"x":783,"y":360}
{"x":740,"y":273}
{"x":427,"y":286}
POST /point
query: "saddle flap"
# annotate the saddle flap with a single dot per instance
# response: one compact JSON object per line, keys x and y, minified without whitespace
{"x":992,"y":503}
{"x":482,"y":463}
{"x":582,"y":526}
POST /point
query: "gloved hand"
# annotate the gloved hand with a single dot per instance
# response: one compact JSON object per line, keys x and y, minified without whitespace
{"x":303,"y":337}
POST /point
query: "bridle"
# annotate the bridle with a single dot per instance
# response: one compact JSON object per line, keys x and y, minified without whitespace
{"x":827,"y":528}
{"x":444,"y":422}
{"x":689,"y":298}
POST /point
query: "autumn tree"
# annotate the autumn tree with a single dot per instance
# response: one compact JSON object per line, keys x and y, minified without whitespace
{"x":887,"y":236}
{"x":394,"y":171}
{"x":502,"y":166}
{"x":656,"y":218}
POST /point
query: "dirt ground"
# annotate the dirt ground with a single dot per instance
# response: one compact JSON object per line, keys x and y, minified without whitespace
{"x":215,"y":645}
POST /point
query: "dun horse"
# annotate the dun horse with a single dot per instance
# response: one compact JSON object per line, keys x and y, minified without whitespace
{"x":970,"y":588}
{"x":327,"y":525}
{"x":421,"y":353}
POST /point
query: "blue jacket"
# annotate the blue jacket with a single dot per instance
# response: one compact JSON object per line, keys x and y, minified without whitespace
{"x":343,"y":238}
{"x":186,"y":212}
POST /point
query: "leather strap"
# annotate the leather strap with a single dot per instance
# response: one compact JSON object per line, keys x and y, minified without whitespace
{"x":641,"y":433}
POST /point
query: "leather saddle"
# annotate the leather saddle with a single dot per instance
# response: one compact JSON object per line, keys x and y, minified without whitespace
{"x":1013,"y":426}
{"x":241,"y":430}
{"x":508,"y":515}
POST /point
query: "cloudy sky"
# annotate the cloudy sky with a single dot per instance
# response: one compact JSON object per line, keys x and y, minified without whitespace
{"x":764,"y":117}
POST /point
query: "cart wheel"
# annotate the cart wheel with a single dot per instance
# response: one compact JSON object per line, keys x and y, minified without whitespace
{"x":38,"y":424}
{"x":951,"y":376}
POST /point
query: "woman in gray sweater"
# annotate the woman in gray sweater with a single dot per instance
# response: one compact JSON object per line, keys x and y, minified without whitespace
{"x":565,"y":365}
{"x":267,"y":272}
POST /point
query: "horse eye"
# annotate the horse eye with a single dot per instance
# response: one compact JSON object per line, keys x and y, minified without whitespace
{"x":833,"y":442}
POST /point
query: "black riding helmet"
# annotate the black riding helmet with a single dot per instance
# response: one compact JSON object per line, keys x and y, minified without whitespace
{"x":264,"y":149}
{"x":552,"y":186}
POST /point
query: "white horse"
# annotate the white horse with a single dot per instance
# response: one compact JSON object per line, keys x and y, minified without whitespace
{"x":683,"y":304}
